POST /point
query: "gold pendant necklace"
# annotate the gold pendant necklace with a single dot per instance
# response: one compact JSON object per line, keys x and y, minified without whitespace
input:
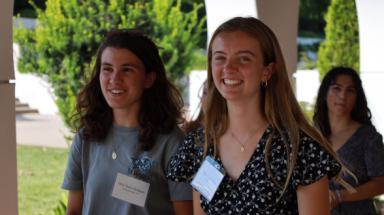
{"x":242,"y":145}
{"x":114,"y":154}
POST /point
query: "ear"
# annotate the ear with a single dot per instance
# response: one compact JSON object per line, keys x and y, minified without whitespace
{"x":268,"y":72}
{"x":150,"y":79}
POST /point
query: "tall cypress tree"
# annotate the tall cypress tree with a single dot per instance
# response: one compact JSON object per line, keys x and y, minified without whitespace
{"x":341,"y":47}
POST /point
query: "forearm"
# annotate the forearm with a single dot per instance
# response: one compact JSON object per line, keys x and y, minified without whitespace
{"x":197,"y":210}
{"x":75,"y":202}
{"x":313,"y":199}
{"x":184,"y":207}
{"x":367,"y":190}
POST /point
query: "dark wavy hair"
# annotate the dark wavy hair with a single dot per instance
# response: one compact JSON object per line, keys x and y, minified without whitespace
{"x":161,"y":104}
{"x":360,"y":113}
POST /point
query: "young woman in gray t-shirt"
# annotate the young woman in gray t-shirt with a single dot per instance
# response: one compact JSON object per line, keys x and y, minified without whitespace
{"x":126,"y":121}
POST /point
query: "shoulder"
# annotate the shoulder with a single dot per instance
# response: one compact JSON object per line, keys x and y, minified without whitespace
{"x":366,"y":130}
{"x":77,"y":142}
{"x":171,"y":141}
{"x":186,"y":161}
{"x":194,"y":141}
{"x":175,"y":134}
{"x":305,"y":144}
{"x":367,"y":136}
{"x":308,"y":144}
{"x":313,"y":161}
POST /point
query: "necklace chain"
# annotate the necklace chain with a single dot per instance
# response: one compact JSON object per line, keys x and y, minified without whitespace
{"x":242,"y":145}
{"x":114,"y":155}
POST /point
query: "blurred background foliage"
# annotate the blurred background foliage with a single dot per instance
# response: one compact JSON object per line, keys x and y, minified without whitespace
{"x":25,"y":9}
{"x":68,"y":33}
{"x":341,"y":45}
{"x":311,"y":18}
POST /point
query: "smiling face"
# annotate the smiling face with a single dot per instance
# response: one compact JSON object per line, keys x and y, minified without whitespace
{"x":123,"y":78}
{"x":237,"y":66}
{"x":341,"y":96}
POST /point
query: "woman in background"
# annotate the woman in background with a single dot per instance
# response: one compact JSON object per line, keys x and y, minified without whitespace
{"x":127,"y":116}
{"x":343,"y":117}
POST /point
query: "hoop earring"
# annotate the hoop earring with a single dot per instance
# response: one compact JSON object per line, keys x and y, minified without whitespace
{"x":264,"y":84}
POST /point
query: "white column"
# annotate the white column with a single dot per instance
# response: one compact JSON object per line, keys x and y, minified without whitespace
{"x":371,"y":31}
{"x":8,"y":167}
{"x":280,"y":16}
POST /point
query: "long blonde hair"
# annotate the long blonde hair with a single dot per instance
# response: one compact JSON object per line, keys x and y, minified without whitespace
{"x":278,"y":100}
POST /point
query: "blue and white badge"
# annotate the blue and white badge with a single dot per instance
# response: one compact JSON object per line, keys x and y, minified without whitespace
{"x":208,"y":178}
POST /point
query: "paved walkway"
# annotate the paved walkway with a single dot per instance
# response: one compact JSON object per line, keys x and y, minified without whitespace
{"x":41,"y":130}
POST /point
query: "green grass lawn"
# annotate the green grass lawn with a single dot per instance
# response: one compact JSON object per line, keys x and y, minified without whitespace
{"x":40,"y":174}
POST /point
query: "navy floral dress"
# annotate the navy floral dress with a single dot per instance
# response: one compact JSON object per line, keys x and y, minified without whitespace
{"x":254,"y":192}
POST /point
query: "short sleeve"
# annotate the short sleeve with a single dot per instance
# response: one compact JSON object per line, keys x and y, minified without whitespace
{"x":73,"y":178}
{"x":180,"y":191}
{"x":187,"y":160}
{"x":374,"y":154}
{"x":177,"y":191}
{"x":313,"y":162}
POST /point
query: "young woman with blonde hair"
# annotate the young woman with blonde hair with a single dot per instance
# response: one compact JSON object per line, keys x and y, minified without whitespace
{"x":275,"y":161}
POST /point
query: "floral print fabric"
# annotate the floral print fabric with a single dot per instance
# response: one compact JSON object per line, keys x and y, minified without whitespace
{"x":255,"y":192}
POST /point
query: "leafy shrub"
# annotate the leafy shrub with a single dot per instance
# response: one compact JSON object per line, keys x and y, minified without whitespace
{"x":69,"y":32}
{"x":341,"y":47}
{"x":61,"y":209}
{"x":308,"y":109}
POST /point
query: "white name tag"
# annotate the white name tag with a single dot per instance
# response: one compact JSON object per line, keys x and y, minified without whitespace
{"x":208,"y":178}
{"x":130,"y":190}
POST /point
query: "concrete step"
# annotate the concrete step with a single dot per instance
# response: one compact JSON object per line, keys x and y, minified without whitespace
{"x":19,"y":104}
{"x":21,"y":110}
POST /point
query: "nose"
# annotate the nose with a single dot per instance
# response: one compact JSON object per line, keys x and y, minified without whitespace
{"x":116,"y":78}
{"x":230,"y":66}
{"x":342,"y":95}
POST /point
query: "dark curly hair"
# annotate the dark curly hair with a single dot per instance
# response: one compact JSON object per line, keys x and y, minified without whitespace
{"x":360,"y":113}
{"x":161,"y":104}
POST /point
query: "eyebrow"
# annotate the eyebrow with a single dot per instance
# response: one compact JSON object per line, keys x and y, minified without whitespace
{"x":125,"y":64}
{"x":239,"y":52}
{"x":342,"y":85}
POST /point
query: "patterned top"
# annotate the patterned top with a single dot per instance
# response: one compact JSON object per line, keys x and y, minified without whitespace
{"x":363,"y":155}
{"x":254,"y":192}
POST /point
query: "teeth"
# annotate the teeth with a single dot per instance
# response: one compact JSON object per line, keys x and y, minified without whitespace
{"x":117,"y":91}
{"x":231,"y":82}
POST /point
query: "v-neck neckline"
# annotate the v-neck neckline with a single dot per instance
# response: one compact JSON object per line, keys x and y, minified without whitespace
{"x":350,"y":138}
{"x":261,"y":142}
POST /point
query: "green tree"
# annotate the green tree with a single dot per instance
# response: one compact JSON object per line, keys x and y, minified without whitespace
{"x":311,"y":17}
{"x":23,"y":8}
{"x":68,"y":33}
{"x":341,"y":47}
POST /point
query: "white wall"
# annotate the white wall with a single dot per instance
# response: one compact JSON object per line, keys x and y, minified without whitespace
{"x":33,"y":90}
{"x":219,"y":11}
{"x":196,"y":80}
{"x":307,"y":85}
{"x":371,"y":30}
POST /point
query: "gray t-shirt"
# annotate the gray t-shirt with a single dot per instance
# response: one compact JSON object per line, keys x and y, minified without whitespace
{"x":91,"y":168}
{"x":363,"y":155}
